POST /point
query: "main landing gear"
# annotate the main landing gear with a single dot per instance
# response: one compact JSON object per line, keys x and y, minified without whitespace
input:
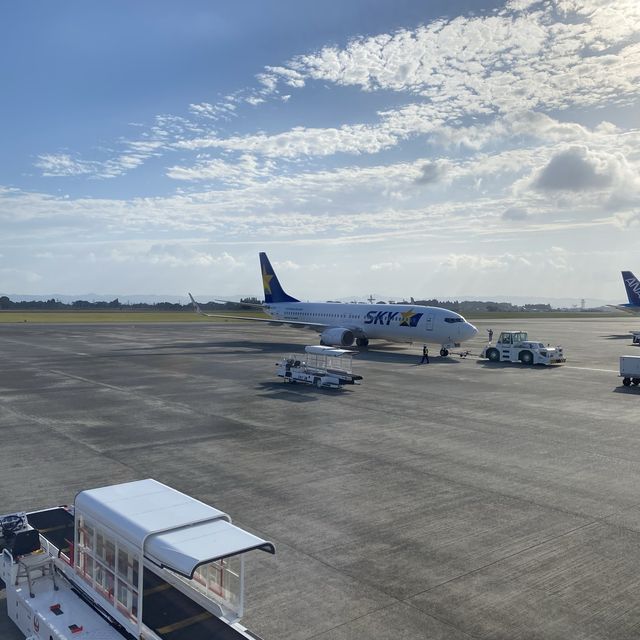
{"x":444,"y":352}
{"x":362,"y":342}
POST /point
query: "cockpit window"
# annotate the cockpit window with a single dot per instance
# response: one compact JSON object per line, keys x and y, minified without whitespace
{"x":451,"y":320}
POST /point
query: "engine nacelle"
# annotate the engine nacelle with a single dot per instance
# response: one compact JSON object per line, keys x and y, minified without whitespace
{"x":337,"y":337}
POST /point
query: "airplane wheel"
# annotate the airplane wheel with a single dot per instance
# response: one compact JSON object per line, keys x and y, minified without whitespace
{"x":362,"y":342}
{"x":626,"y":382}
{"x":444,"y":352}
{"x":635,"y":381}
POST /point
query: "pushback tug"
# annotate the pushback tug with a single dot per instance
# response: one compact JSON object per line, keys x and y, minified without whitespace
{"x":133,"y":560}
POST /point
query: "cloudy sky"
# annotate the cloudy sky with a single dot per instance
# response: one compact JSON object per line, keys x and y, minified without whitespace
{"x":425,"y":149}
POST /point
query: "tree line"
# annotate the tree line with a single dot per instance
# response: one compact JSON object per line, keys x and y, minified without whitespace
{"x":6,"y":304}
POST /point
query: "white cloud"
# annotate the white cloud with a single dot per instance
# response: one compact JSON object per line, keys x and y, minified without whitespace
{"x":386,"y":266}
{"x":301,"y":141}
{"x":476,"y":263}
{"x":432,"y":172}
{"x":172,"y":255}
{"x":62,"y":164}
{"x":574,"y":169}
{"x":515,"y":213}
{"x":580,"y":169}
{"x":287,"y":265}
{"x":12,"y":278}
{"x":245,"y":170}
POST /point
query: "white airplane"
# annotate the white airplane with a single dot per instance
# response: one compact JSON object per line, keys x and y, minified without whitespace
{"x":342,"y":324}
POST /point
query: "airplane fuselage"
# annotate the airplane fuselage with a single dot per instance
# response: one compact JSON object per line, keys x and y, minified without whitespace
{"x":394,"y":322}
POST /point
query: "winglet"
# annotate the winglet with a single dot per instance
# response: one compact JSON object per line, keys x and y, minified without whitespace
{"x":196,"y":306}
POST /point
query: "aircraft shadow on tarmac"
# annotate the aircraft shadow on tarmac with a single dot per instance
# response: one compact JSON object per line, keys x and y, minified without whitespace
{"x":384,"y":352}
{"x":618,"y":336}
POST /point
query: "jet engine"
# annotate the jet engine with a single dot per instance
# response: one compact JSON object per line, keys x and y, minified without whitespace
{"x":337,"y":337}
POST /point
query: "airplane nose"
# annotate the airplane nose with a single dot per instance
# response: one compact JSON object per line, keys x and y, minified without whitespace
{"x":467,"y":331}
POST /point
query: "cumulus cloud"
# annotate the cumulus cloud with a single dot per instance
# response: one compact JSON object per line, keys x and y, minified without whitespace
{"x":580,"y":169}
{"x":515,"y":213}
{"x":432,"y":172}
{"x":173,"y":255}
{"x":474,"y":263}
{"x":576,"y":169}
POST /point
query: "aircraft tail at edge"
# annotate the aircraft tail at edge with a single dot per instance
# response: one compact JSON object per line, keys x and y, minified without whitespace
{"x":632,"y":286}
{"x":273,"y":291}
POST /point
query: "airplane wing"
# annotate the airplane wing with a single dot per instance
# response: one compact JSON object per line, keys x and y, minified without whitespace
{"x":621,"y":307}
{"x":272,"y":321}
{"x":244,"y":304}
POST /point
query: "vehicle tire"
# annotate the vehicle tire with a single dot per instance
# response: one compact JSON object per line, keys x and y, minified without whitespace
{"x":526,"y":357}
{"x":318,"y":382}
{"x":635,"y":381}
{"x":493,"y":355}
{"x":626,"y":382}
{"x":444,"y":352}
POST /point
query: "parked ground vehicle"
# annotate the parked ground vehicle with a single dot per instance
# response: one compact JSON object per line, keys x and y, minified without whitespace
{"x":630,"y":370}
{"x":515,"y":346}
{"x":131,"y":560}
{"x":319,"y":365}
{"x":635,"y":337}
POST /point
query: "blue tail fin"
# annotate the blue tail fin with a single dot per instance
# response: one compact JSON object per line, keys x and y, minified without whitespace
{"x":273,"y":292}
{"x":632,"y":285}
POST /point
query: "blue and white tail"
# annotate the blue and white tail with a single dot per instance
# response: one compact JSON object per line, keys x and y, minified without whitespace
{"x":273,"y":291}
{"x":632,"y":285}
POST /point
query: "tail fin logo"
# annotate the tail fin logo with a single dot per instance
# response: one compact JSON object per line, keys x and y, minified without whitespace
{"x":273,"y":291}
{"x":266,"y":281}
{"x":632,"y":285}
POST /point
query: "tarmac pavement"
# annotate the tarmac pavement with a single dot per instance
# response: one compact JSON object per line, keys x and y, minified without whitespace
{"x":452,"y":500}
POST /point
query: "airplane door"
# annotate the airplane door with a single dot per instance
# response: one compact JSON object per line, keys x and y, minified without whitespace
{"x":429,"y":322}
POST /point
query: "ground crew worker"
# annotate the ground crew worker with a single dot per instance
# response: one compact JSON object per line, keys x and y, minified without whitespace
{"x":425,"y":355}
{"x":490,"y":335}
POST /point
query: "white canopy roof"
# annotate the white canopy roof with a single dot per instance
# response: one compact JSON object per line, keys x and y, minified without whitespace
{"x":323,"y":350}
{"x":172,"y":529}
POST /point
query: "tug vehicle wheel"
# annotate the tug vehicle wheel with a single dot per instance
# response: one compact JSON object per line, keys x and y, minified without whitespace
{"x":493,"y":355}
{"x":526,"y":357}
{"x":626,"y":382}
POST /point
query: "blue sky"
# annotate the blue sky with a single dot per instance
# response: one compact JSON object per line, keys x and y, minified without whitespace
{"x":420,"y":149}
